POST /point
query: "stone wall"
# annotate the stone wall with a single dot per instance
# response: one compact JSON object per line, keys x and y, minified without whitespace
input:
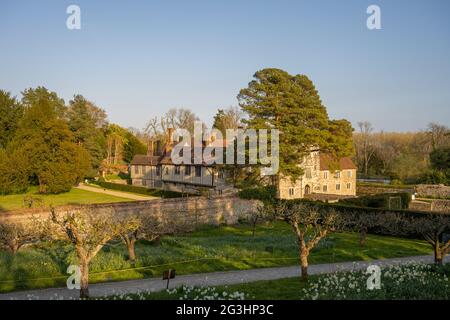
{"x":441,"y":205}
{"x":419,"y":206}
{"x":431,"y":190}
{"x":193,"y":210}
{"x":362,"y":190}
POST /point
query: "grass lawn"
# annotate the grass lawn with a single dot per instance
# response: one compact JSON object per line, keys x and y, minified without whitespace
{"x":74,"y":196}
{"x":123,"y":191}
{"x":206,"y":250}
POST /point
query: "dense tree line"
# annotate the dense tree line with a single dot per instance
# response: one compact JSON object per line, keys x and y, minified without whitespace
{"x":407,"y":157}
{"x":47,"y":143}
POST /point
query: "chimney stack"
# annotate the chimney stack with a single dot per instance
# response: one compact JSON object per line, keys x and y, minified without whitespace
{"x":150,"y":148}
{"x":170,"y":134}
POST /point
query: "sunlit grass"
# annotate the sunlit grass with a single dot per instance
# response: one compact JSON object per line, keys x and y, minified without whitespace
{"x":206,"y":250}
{"x":74,"y":196}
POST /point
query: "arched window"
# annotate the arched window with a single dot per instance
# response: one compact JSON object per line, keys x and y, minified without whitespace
{"x":307,"y":189}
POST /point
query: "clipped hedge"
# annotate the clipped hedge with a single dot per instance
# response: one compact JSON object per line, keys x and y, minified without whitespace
{"x":140,"y":190}
{"x":264,"y":194}
{"x":382,"y":200}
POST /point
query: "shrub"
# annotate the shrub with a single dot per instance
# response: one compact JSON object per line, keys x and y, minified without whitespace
{"x":435,"y":176}
{"x":265,"y":194}
{"x":140,"y":190}
{"x":382,"y":200}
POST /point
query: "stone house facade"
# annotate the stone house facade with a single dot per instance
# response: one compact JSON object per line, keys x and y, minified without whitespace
{"x":321,"y":176}
{"x":156,"y":170}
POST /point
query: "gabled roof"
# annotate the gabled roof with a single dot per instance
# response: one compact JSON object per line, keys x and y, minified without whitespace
{"x":142,"y":159}
{"x":166,"y":159}
{"x":326,"y":161}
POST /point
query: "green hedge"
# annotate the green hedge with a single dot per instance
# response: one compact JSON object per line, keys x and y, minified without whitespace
{"x":264,"y":194}
{"x":382,"y":200}
{"x":140,"y":190}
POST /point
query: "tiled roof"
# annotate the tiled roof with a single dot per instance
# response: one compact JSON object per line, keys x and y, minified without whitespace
{"x":142,"y":159}
{"x":165,"y":158}
{"x":326,"y":161}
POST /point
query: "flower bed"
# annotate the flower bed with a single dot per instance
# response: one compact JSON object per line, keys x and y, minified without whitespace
{"x":413,"y":281}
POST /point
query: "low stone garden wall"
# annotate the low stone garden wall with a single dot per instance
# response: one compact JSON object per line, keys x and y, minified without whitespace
{"x":433,"y":191}
{"x":193,"y":210}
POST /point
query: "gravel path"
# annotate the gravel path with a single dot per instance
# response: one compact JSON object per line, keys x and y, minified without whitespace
{"x":207,"y":279}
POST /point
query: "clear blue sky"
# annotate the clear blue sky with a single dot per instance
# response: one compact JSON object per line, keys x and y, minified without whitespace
{"x":136,"y":59}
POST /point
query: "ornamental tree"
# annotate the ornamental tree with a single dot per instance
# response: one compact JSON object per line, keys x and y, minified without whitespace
{"x":310,"y":225}
{"x":88,"y":231}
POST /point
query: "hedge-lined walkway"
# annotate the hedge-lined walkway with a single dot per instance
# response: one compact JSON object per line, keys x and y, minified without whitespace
{"x":208,"y":279}
{"x":121,"y":194}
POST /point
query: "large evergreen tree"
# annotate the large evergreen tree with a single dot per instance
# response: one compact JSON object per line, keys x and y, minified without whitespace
{"x":10,"y":113}
{"x":45,"y":140}
{"x":291,"y":104}
{"x":87,"y":122}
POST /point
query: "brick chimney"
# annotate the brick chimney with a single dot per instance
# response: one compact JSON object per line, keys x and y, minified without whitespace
{"x":150,"y":148}
{"x":170,"y":135}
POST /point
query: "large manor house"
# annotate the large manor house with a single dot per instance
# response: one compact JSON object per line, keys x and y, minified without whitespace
{"x":322,"y":177}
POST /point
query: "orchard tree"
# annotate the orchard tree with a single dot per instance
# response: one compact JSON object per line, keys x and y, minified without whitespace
{"x":257,"y":214}
{"x":432,"y":227}
{"x":16,"y":234}
{"x":147,"y":227}
{"x":88,"y":231}
{"x":290,"y":103}
{"x":310,"y":226}
{"x":388,"y":222}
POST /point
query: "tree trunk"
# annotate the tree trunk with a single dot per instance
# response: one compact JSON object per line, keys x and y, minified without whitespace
{"x":84,"y":279}
{"x":304,"y":263}
{"x":362,"y":238}
{"x":42,"y":187}
{"x":437,"y":254}
{"x":14,"y":247}
{"x":254,"y":222}
{"x":131,"y":250}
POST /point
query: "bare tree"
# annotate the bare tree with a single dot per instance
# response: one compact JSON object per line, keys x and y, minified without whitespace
{"x":148,"y":227}
{"x":364,"y":144}
{"x":310,"y":226}
{"x":17,"y":234}
{"x":257,"y":214}
{"x":432,"y":227}
{"x":230,"y":118}
{"x":362,"y":223}
{"x":439,"y":135}
{"x":386,"y":222}
{"x":88,"y":231}
{"x":174,"y":118}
